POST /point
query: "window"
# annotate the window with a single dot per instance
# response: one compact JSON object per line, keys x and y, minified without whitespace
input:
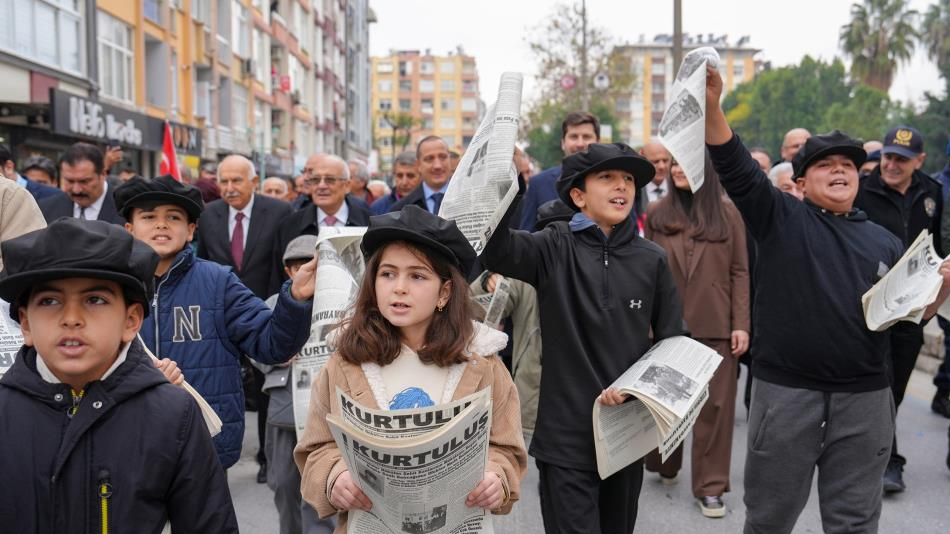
{"x":447,"y":122}
{"x":447,"y":104}
{"x":470,"y":86}
{"x":47,"y":31}
{"x":385,"y":104}
{"x":426,"y":67}
{"x":174,"y":80}
{"x":468,"y":67}
{"x":384,"y":86}
{"x":115,"y":58}
{"x":201,"y":11}
{"x":738,"y":70}
{"x":447,"y":85}
{"x":658,"y":87}
{"x":384,"y":67}
{"x":658,"y":66}
{"x":152,"y":9}
{"x":261,"y":56}
{"x":405,"y":104}
{"x":469,"y":104}
{"x":405,"y":85}
{"x":202,"y":91}
{"x":224,"y":102}
{"x":241,"y":30}
{"x":156,"y":70}
{"x":426,"y":105}
{"x":447,"y":67}
{"x":405,"y":68}
{"x":426,"y":86}
{"x":427,"y":124}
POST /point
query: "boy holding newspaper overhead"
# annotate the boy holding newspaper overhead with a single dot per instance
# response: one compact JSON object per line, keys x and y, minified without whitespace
{"x":601,"y":290}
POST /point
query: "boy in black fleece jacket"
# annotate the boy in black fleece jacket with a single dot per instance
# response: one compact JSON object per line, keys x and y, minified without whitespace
{"x":601,"y":289}
{"x":94,"y":438}
{"x":820,"y":396}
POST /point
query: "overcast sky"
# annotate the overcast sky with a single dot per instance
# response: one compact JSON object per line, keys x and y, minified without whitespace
{"x":495,"y":31}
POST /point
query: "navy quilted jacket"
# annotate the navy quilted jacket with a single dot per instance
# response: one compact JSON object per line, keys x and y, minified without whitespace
{"x":206,"y":319}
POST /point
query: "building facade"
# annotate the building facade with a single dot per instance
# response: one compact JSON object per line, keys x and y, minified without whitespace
{"x":640,"y":112}
{"x":262,"y":78}
{"x":439,"y":93}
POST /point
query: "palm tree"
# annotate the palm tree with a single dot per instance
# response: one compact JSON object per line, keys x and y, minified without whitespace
{"x":935,"y":35}
{"x":881,"y":34}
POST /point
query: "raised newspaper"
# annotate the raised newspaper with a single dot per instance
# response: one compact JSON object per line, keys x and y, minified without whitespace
{"x":339,"y":272}
{"x":486,"y":181}
{"x":10,"y":338}
{"x":911,"y":285}
{"x":417,"y":466}
{"x":669,"y":386}
{"x":683,"y":127}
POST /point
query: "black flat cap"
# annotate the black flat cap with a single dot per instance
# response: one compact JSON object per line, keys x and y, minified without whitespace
{"x":552,"y":211}
{"x":417,"y":225}
{"x":138,"y":193}
{"x":75,"y":248}
{"x":821,"y":146}
{"x":602,"y":157}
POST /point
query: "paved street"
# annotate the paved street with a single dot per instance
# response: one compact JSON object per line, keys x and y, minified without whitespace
{"x":923,"y":509}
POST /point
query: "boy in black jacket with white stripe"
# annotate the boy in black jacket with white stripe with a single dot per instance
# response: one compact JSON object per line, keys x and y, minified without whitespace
{"x":94,"y":438}
{"x":601,"y":290}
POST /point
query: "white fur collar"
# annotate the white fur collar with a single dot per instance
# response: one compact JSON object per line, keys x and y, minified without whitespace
{"x":486,"y":341}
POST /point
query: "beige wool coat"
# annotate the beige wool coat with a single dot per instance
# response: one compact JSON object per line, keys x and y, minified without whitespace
{"x":320,"y":461}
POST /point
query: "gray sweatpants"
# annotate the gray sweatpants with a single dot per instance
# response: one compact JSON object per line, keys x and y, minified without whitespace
{"x":847,"y":436}
{"x":295,"y":515}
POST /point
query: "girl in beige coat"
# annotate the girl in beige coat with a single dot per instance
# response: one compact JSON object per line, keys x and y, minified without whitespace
{"x":411,"y":343}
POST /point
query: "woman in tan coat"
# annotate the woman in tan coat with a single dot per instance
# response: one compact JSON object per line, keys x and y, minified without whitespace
{"x":411,"y":343}
{"x":705,"y":240}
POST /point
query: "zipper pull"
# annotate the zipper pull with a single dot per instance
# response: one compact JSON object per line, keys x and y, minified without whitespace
{"x":605,"y":257}
{"x":104,"y":490}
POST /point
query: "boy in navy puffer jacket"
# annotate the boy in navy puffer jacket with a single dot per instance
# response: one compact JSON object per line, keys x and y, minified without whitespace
{"x":203,"y":317}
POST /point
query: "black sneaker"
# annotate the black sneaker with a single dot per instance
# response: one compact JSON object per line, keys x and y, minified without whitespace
{"x":262,"y":474}
{"x":894,"y":477}
{"x":941,"y":403}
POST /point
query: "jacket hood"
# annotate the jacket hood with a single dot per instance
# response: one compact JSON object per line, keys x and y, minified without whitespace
{"x":133,"y":376}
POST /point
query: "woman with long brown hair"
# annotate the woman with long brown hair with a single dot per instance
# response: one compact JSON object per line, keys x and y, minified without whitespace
{"x":705,"y":240}
{"x":411,"y":343}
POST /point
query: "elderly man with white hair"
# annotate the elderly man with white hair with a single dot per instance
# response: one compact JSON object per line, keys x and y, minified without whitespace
{"x":328,"y":178}
{"x":781,"y":177}
{"x":275,"y":187}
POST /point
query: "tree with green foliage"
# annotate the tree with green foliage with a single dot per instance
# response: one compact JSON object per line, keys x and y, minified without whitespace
{"x":814,"y":95}
{"x":557,"y":46}
{"x":880,"y":35}
{"x":935,"y":35}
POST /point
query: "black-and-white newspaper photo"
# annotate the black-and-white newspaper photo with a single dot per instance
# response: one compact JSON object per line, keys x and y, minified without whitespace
{"x":10,"y":338}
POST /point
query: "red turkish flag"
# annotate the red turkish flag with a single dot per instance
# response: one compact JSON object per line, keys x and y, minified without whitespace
{"x":169,"y":163}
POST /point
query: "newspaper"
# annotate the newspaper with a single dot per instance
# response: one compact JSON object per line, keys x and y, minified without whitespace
{"x":683,"y":127}
{"x":10,"y":338}
{"x":669,"y":385}
{"x":416,"y":466}
{"x":486,"y":181}
{"x":339,"y":272}
{"x":911,"y":285}
{"x":495,"y":309}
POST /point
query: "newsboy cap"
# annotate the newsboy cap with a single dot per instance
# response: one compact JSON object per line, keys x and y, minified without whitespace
{"x":417,"y":225}
{"x":818,"y":147}
{"x":138,"y":192}
{"x":602,"y":157}
{"x":76,"y":248}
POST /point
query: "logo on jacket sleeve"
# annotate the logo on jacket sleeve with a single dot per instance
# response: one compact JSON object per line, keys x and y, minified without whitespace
{"x":930,"y":206}
{"x":190,"y":323}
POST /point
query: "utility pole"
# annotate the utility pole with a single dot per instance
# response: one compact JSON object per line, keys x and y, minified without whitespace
{"x":677,"y":35}
{"x":585,"y":98}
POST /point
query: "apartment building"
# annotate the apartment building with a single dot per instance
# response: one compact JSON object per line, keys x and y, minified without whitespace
{"x":640,"y":112}
{"x":440,"y":93}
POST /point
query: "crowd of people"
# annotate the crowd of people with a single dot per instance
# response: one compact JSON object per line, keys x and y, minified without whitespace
{"x":124,"y":287}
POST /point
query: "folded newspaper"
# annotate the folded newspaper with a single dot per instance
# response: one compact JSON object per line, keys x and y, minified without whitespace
{"x":669,"y":386}
{"x":911,"y":285}
{"x":339,"y":271}
{"x":683,"y":127}
{"x":485,"y":182}
{"x":417,"y":466}
{"x":10,"y":338}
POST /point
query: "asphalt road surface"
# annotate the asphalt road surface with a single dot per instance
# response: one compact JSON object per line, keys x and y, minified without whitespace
{"x":923,"y":509}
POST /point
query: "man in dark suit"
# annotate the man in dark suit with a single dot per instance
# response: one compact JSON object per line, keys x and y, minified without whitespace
{"x":328,"y":178}
{"x":432,"y":159}
{"x":238,"y":230}
{"x":87,"y":195}
{"x":8,"y":169}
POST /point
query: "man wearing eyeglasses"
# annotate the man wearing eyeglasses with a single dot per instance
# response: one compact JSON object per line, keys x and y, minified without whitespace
{"x":432,"y":159}
{"x":328,"y":178}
